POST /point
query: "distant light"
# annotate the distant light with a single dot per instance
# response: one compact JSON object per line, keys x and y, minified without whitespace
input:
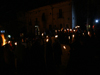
{"x":83,"y":33}
{"x":68,"y":37}
{"x":56,"y":36}
{"x":9,"y":36}
{"x":89,"y":26}
{"x":46,"y":36}
{"x":74,"y":30}
{"x":9,"y":42}
{"x":47,"y":40}
{"x":93,"y":27}
{"x":36,"y":26}
{"x":96,"y":21}
{"x":88,"y":33}
{"x":2,"y":31}
{"x":73,"y":36}
{"x":65,"y":30}
{"x":42,"y":34}
{"x":55,"y":30}
{"x":15,"y":43}
{"x":70,"y":29}
{"x":64,"y":47}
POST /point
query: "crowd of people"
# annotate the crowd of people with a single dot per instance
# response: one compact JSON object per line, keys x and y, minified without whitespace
{"x":38,"y":56}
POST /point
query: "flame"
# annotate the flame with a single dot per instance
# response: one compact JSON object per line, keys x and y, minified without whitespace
{"x":3,"y":39}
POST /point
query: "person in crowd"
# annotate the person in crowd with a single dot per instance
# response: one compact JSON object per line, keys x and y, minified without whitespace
{"x":9,"y":60}
{"x":57,"y":52}
{"x":49,"y":55}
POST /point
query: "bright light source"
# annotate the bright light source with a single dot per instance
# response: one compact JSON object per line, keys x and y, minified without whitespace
{"x":3,"y":39}
{"x":74,"y":30}
{"x":73,"y":36}
{"x":70,"y":29}
{"x":42,"y":34}
{"x":15,"y":43}
{"x":64,"y":47}
{"x":67,"y":29}
{"x":9,"y":36}
{"x":9,"y":42}
{"x":68,"y":37}
{"x":96,"y":21}
{"x":47,"y":40}
{"x":56,"y":36}
{"x":88,"y":33}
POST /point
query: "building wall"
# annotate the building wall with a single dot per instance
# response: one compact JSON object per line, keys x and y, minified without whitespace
{"x":51,"y":16}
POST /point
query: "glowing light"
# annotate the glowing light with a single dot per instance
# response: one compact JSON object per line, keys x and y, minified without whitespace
{"x":3,"y":39}
{"x":64,"y":47}
{"x":73,"y":36}
{"x":42,"y":34}
{"x":9,"y":42}
{"x":68,"y":37}
{"x":89,"y":26}
{"x":65,"y":30}
{"x":70,"y":29}
{"x":46,"y":36}
{"x":47,"y":40}
{"x":88,"y":33}
{"x":2,"y":31}
{"x":9,"y":36}
{"x":55,"y":30}
{"x":74,"y":30}
{"x":15,"y":43}
{"x":77,"y":26}
{"x":93,"y":27}
{"x":56,"y":36}
{"x":83,"y":33}
{"x":96,"y":21}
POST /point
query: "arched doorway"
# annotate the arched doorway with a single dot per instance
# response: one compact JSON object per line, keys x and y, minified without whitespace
{"x":37,"y":30}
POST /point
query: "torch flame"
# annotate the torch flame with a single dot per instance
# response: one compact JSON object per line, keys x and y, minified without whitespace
{"x":3,"y":38}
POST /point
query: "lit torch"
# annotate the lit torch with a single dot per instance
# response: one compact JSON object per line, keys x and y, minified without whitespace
{"x":15,"y":43}
{"x":56,"y":36}
{"x":64,"y":47}
{"x":69,"y":37}
{"x":3,"y":39}
{"x":47,"y":40}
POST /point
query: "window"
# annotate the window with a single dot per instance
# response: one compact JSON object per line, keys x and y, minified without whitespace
{"x":60,"y":13}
